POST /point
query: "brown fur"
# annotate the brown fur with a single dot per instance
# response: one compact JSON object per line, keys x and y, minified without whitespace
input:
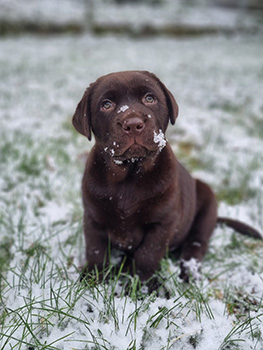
{"x":135,"y":192}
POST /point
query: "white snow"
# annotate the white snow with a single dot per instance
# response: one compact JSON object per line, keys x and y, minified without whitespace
{"x":54,"y":212}
{"x":123,"y":109}
{"x":193,"y":266}
{"x":118,"y":162}
{"x":159,"y":139}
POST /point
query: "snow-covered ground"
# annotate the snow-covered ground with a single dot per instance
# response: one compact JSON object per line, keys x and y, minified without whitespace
{"x":218,"y":83}
{"x":137,"y":16}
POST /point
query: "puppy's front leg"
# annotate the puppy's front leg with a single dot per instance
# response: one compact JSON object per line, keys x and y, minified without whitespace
{"x":154,"y":247}
{"x":96,"y":246}
{"x":197,"y":240}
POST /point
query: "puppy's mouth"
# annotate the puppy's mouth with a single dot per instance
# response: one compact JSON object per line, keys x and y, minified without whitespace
{"x":132,"y":154}
{"x":137,"y":149}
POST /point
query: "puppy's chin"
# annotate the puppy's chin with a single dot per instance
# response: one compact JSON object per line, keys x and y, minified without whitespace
{"x":135,"y":153}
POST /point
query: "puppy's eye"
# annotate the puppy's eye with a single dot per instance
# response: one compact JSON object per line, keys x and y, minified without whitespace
{"x":149,"y":98}
{"x":106,"y":105}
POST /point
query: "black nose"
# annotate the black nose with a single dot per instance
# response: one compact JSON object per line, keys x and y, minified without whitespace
{"x":133,"y":125}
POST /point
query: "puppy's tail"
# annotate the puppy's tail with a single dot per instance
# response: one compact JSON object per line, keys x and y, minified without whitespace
{"x":240,"y":227}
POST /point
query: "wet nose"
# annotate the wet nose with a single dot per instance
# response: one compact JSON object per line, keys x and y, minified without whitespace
{"x":133,"y":125}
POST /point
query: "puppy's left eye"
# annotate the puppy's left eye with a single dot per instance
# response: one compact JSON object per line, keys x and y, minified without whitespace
{"x":106,"y":105}
{"x":149,"y":98}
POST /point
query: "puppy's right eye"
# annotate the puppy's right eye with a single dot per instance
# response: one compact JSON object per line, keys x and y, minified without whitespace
{"x":106,"y":105}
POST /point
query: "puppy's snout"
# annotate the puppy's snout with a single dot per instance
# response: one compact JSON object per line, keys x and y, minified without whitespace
{"x":133,"y":125}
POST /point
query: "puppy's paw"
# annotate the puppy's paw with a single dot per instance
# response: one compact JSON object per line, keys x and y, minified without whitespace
{"x":190,"y":269}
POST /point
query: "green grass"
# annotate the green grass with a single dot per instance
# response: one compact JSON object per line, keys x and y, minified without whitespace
{"x":218,"y":136}
{"x":40,"y":289}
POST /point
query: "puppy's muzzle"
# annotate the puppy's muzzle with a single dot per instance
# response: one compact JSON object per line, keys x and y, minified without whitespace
{"x":133,"y":126}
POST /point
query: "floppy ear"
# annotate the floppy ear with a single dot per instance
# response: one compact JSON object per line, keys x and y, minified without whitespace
{"x":171,"y":103}
{"x":82,"y":118}
{"x":170,"y":100}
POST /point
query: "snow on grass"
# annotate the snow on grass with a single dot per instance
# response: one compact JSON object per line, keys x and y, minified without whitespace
{"x":217,"y":82}
{"x":178,"y":13}
{"x":46,"y":11}
{"x":81,"y":12}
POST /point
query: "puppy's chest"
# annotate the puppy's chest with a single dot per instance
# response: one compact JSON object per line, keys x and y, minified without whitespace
{"x":122,"y":207}
{"x":123,"y":220}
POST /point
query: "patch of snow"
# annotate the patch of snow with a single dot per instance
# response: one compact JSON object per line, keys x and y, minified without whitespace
{"x":118,"y":162}
{"x":159,"y":139}
{"x":111,"y":151}
{"x":123,"y":109}
{"x":193,"y":266}
{"x":133,"y":159}
{"x":196,"y":244}
{"x":54,"y":212}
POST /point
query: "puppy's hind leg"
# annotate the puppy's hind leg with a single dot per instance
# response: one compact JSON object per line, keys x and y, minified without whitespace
{"x":196,"y":243}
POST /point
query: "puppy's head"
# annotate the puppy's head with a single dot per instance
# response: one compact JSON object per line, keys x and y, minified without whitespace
{"x":128,"y":113}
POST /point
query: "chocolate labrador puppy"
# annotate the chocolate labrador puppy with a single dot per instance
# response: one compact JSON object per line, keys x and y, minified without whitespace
{"x":136,"y":195}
